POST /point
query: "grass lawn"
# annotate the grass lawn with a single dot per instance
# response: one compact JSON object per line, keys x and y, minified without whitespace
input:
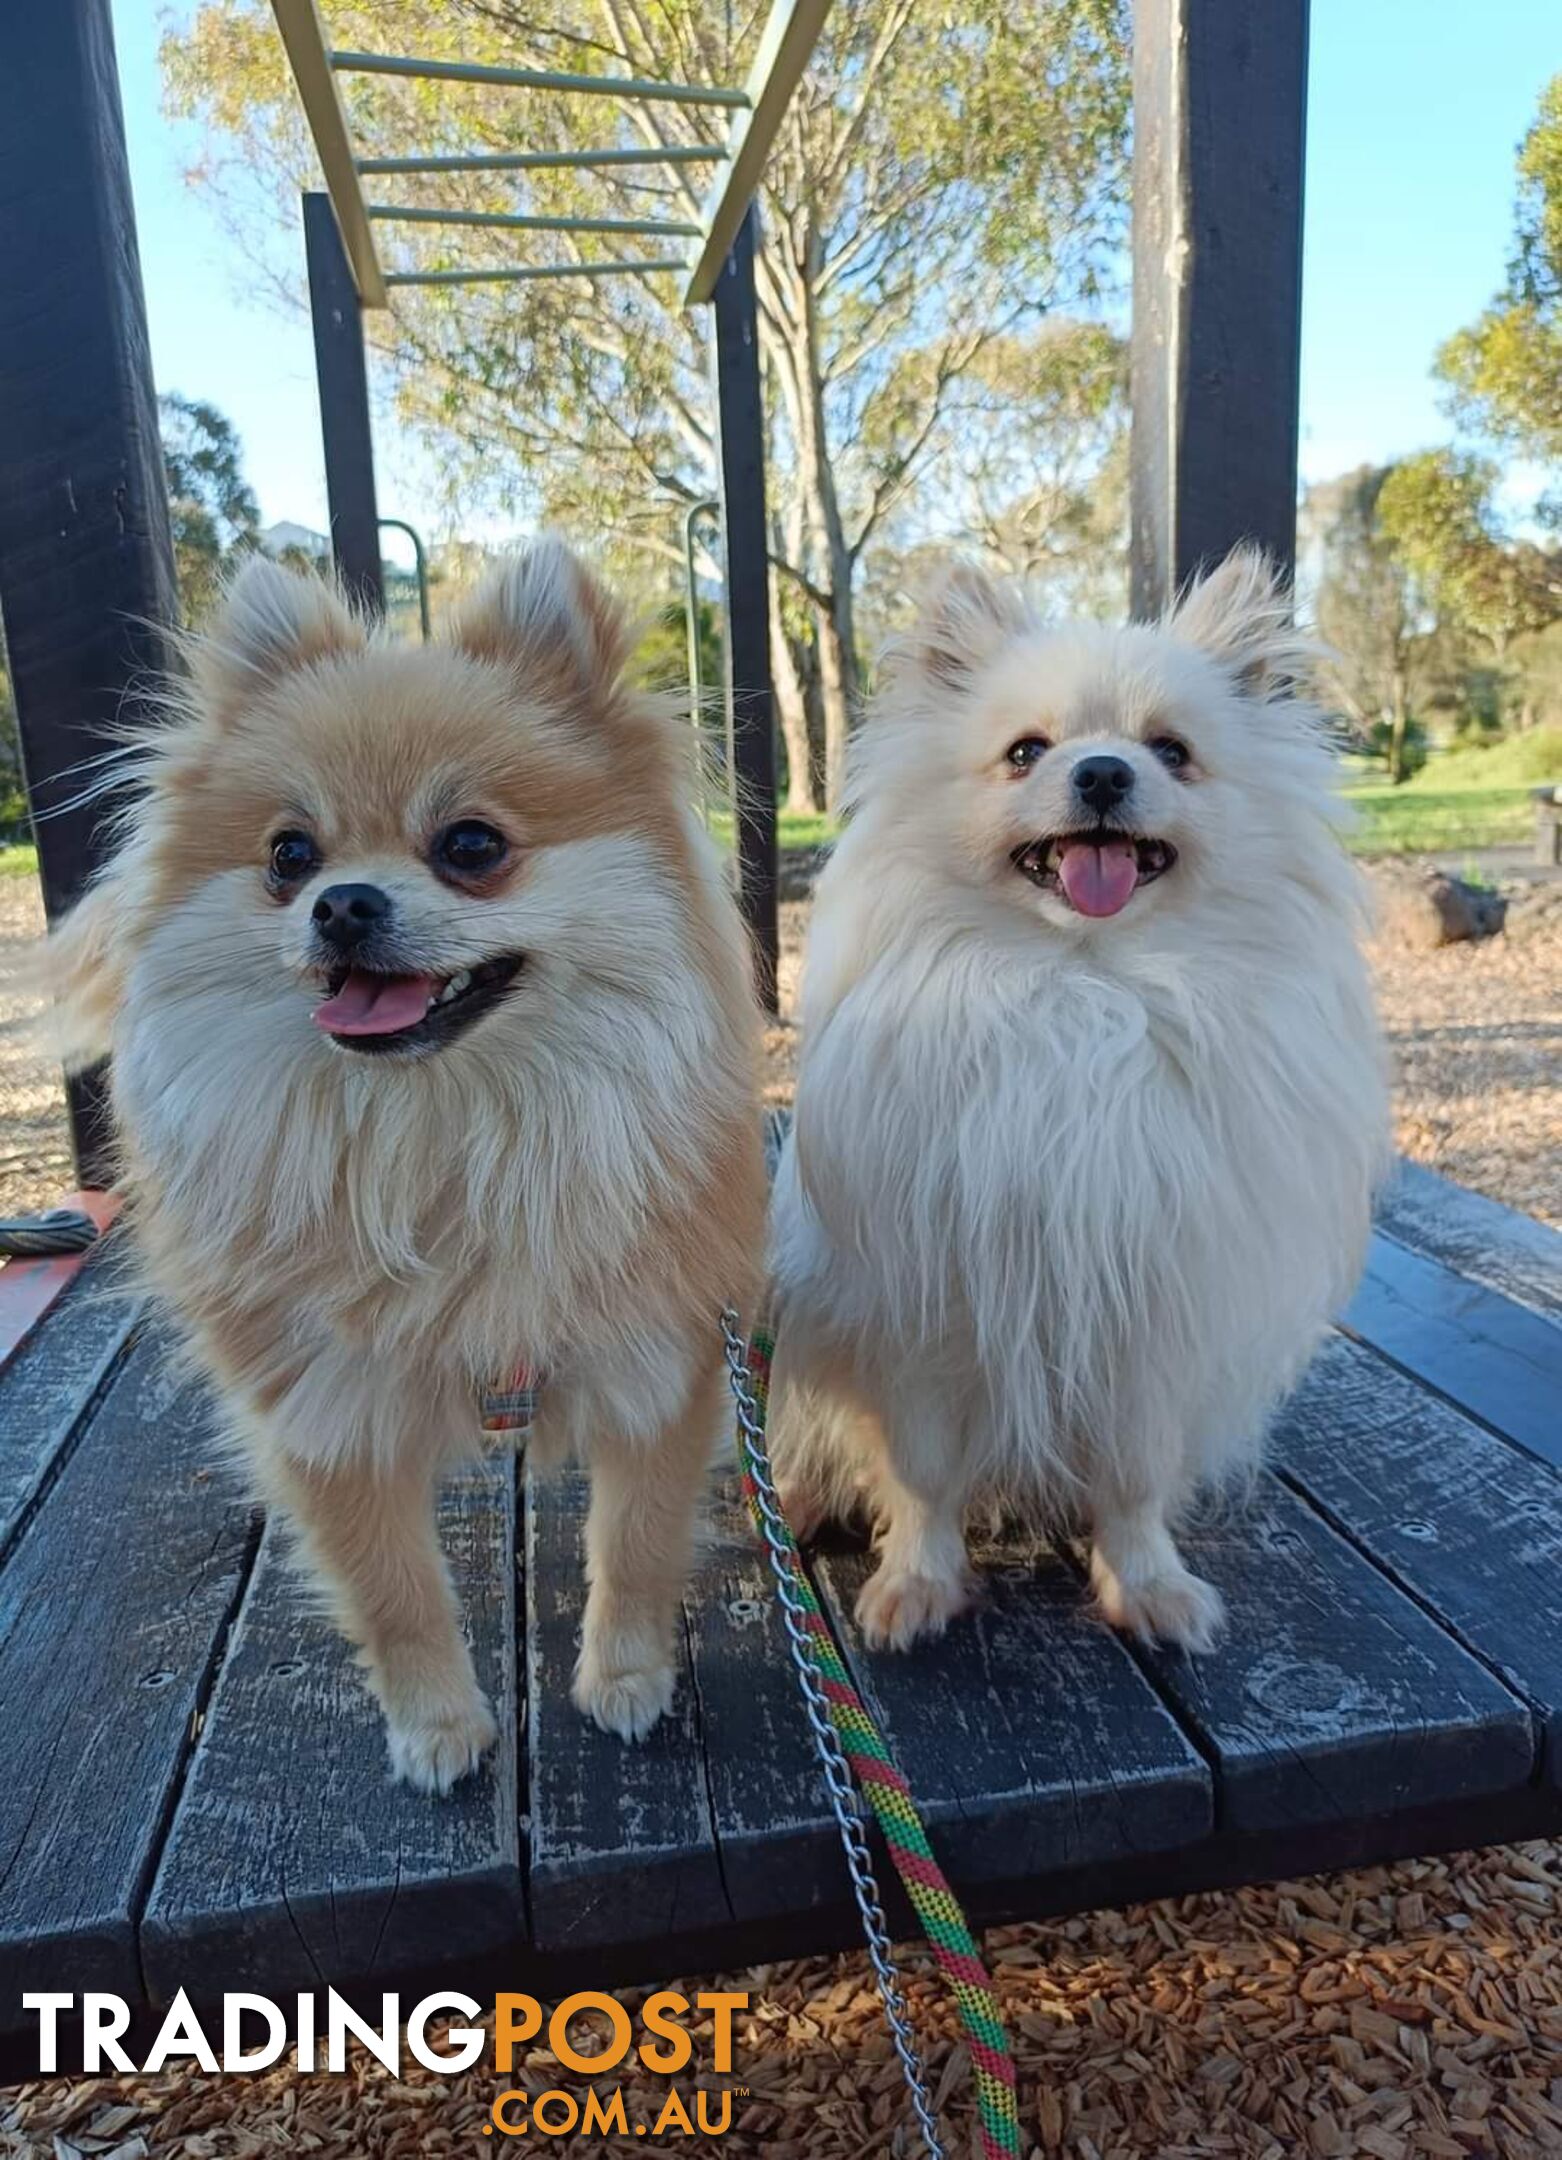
{"x":20,"y":860}
{"x":1473,"y":797}
{"x":1408,"y":819}
{"x":796,"y":829}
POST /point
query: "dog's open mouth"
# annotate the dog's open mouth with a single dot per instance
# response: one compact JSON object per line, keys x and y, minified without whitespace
{"x":1096,"y":872}
{"x":370,"y":1011}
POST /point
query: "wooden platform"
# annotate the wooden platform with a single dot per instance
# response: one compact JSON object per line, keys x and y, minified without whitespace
{"x":192,"y":1782}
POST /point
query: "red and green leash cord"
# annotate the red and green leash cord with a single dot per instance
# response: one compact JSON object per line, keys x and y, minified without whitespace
{"x":883,"y":1786}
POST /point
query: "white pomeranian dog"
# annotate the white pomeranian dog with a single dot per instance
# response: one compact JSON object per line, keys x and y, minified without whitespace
{"x":1092,"y":1100}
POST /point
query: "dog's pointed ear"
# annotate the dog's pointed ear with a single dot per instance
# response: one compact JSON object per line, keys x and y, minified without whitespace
{"x":1241,"y":614}
{"x":269,"y":621}
{"x":543,"y":611}
{"x":963,"y":618}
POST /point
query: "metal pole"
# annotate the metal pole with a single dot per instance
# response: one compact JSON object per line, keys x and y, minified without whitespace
{"x":691,"y":611}
{"x":513,"y":78}
{"x":524,"y":221}
{"x":751,"y":691}
{"x":496,"y":274}
{"x":420,"y":559}
{"x":544,"y":160}
{"x":344,"y":407}
{"x":86,"y":563}
{"x":1220,"y":102}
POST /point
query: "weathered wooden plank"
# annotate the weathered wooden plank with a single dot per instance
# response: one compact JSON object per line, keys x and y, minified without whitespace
{"x":1499,"y":1360}
{"x":112,"y":1610}
{"x":622,"y":1842}
{"x":1032,"y":1741}
{"x":291,"y":1854}
{"x":1332,"y":1697}
{"x":51,"y":1384}
{"x":1495,"y":1245}
{"x":1469,"y":1525}
{"x":776,"y":1838}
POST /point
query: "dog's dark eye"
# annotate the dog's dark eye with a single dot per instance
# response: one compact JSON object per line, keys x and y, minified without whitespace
{"x":469,"y":848}
{"x":1173,"y":754}
{"x":1028,"y":751}
{"x":293,"y":856}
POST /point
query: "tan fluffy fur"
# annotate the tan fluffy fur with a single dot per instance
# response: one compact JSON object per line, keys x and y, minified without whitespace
{"x":357,"y":1244}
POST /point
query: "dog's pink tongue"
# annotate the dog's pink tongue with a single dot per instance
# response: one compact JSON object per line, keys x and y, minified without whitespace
{"x":1098,"y":880}
{"x":376,"y":1004}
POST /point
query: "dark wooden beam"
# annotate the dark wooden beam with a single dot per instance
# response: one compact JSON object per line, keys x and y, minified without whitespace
{"x":344,"y":407}
{"x":86,"y":563}
{"x":751,"y":688}
{"x":1220,"y":100}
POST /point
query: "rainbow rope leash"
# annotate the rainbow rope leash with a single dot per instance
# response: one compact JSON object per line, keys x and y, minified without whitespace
{"x":887,"y":1793}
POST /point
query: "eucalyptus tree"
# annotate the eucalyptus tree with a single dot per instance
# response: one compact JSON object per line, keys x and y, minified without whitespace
{"x":945,"y":177}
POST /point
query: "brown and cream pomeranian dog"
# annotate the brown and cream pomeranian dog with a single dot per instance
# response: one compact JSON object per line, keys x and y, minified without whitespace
{"x":1091,"y":1103}
{"x":434,"y":1057}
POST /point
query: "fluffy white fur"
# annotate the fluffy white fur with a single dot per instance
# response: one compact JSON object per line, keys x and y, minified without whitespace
{"x":357,"y":1244}
{"x":1068,"y":1201}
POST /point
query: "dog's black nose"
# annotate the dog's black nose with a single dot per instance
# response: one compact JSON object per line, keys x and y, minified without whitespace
{"x":1102,"y":782}
{"x":344,"y":915}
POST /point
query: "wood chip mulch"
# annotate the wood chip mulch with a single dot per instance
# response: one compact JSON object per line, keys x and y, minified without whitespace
{"x":1385,"y":2014}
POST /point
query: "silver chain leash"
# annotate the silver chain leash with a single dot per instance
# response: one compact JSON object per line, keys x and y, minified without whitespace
{"x":844,"y":1800}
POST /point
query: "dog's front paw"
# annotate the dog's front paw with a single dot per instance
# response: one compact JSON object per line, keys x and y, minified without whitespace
{"x":628,"y":1701}
{"x":896,"y":1608}
{"x":434,"y":1747}
{"x":1172,"y":1606}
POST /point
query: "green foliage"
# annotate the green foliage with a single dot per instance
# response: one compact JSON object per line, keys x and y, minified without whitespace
{"x":1382,"y":660}
{"x":1504,"y":372}
{"x":1036,"y":471}
{"x":663,"y":656}
{"x":1404,"y":758}
{"x":1442,"y":623}
{"x":211,"y":506}
{"x":1438,"y":513}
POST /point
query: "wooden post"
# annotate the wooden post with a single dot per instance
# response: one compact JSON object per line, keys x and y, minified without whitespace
{"x":86,"y":562}
{"x":1220,"y":97}
{"x":344,"y":407}
{"x":751,"y":699}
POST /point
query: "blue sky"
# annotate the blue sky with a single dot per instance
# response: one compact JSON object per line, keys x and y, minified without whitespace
{"x":1415,"y":110}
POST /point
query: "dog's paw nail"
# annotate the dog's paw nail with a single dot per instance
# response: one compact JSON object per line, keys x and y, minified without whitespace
{"x":625,"y":1703}
{"x":433,"y":1752}
{"x":896,"y":1610}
